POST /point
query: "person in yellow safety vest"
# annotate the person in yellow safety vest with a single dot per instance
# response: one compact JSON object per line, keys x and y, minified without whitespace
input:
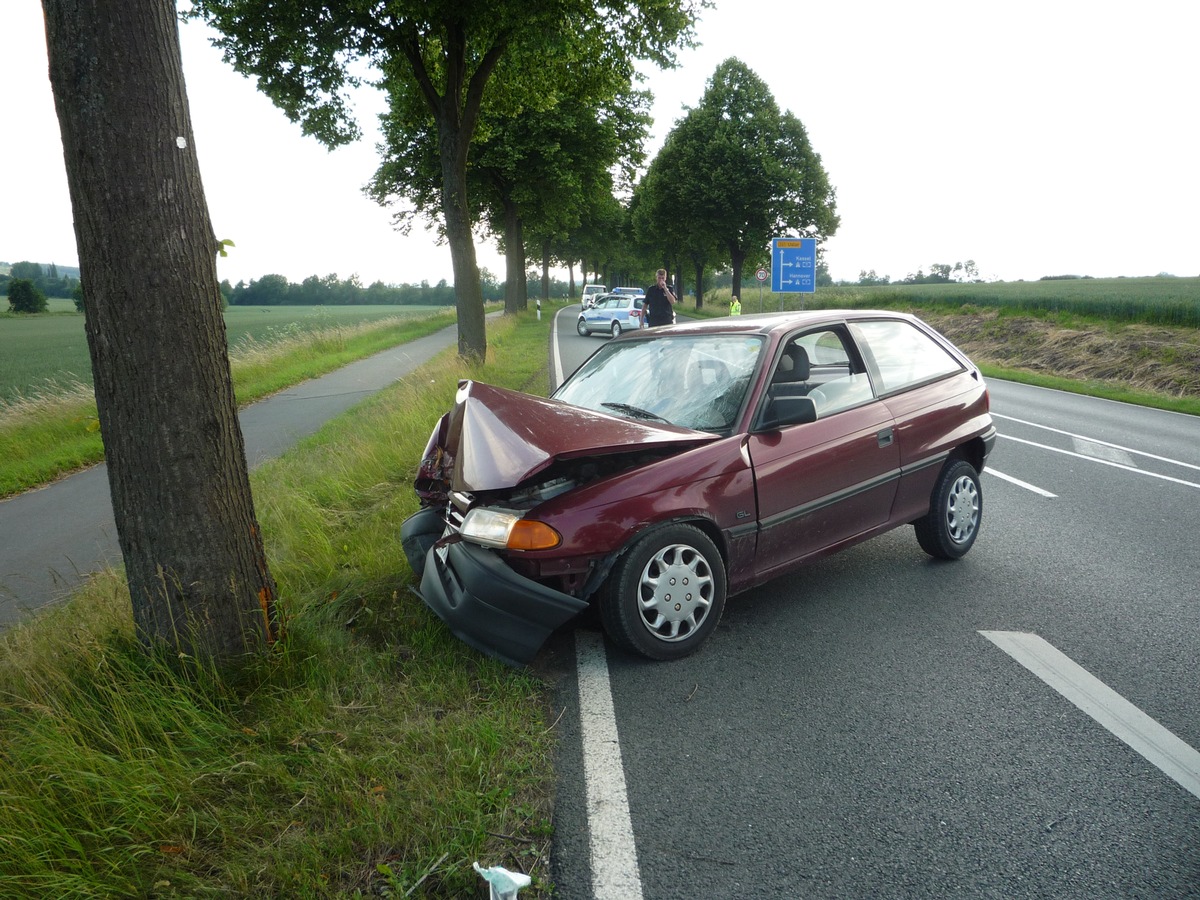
{"x":735,"y":306}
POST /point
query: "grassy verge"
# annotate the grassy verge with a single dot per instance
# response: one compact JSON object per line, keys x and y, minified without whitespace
{"x":372,"y":753}
{"x":50,"y":434}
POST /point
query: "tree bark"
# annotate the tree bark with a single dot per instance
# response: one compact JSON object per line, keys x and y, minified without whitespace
{"x":515,"y":297}
{"x":699,"y":282}
{"x":194,"y":559}
{"x":468,"y":293}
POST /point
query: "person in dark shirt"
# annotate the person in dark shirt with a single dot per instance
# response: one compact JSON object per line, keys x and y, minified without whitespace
{"x":660,"y":302}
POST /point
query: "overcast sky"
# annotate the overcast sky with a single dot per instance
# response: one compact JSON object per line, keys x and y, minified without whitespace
{"x":1036,"y":137}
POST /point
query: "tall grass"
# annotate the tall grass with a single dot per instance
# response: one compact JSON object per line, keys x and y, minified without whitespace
{"x":370,"y":753}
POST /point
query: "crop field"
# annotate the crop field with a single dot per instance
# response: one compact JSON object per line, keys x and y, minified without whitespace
{"x":1151,"y":301}
{"x":42,"y":354}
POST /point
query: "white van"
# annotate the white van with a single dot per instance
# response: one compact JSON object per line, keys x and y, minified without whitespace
{"x":590,"y":293}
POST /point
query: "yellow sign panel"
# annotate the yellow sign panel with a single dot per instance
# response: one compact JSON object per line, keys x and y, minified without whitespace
{"x":779,"y":243}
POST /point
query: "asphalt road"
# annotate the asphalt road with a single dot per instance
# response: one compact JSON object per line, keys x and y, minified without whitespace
{"x":858,"y":729}
{"x":56,"y":536}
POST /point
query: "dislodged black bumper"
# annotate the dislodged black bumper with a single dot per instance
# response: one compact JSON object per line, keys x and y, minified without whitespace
{"x":489,"y":606}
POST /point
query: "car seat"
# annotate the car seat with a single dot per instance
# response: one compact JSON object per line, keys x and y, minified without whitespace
{"x":792,"y":373}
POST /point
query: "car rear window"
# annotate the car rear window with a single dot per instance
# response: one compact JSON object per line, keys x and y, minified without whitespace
{"x":905,"y":355}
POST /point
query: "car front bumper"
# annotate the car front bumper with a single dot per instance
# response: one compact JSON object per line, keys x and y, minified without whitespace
{"x":489,"y":606}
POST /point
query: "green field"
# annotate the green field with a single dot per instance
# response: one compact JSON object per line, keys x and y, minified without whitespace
{"x":1166,"y":301}
{"x":1151,"y":301}
{"x":39,"y":353}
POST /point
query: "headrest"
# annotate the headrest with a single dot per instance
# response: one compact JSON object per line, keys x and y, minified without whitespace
{"x":793,"y":365}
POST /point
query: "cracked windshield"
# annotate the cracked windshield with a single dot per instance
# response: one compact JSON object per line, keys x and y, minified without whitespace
{"x":694,"y":382}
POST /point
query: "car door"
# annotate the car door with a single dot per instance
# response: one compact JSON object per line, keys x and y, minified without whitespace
{"x":597,"y":318}
{"x":927,"y":388}
{"x":821,"y":484}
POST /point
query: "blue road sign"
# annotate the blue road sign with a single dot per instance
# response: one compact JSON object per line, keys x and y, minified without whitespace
{"x":793,"y":265}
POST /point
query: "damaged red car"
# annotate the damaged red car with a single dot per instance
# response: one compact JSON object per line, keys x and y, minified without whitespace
{"x":680,"y":466}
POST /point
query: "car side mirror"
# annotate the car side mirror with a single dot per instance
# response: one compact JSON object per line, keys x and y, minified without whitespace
{"x":783,"y":411}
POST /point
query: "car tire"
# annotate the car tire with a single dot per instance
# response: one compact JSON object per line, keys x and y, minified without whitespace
{"x":581,"y":327}
{"x":616,"y":328}
{"x":955,"y":514}
{"x":665,"y":594}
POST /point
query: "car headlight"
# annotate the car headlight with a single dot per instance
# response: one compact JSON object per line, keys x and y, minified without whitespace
{"x":506,"y":530}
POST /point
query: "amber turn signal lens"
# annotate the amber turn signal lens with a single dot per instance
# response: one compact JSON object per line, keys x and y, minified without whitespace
{"x":528,"y":534}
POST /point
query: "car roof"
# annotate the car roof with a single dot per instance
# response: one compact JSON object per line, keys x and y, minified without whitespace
{"x":773,"y":324}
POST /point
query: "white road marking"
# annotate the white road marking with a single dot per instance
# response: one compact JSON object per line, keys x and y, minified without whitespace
{"x":558,"y":372}
{"x":615,"y":874}
{"x":1070,"y":434}
{"x":614,"y":865}
{"x":1102,"y":450}
{"x":1019,"y":483}
{"x":1102,"y":462}
{"x":1159,"y":746}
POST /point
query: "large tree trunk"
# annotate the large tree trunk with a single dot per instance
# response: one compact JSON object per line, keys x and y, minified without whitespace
{"x":546,"y":269}
{"x":699,"y":265}
{"x":468,"y":292}
{"x":194,"y":559}
{"x":737,"y":256}
{"x":515,"y":297}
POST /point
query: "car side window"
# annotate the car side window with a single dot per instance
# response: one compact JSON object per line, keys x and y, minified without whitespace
{"x":905,"y":355}
{"x":839,"y":383}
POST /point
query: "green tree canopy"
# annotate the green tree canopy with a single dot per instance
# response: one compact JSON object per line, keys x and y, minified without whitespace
{"x":25,"y":297}
{"x":735,"y":173}
{"x":443,"y":64}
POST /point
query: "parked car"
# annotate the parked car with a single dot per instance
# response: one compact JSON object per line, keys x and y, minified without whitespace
{"x":590,"y":293}
{"x":612,"y":314}
{"x":683,"y":465}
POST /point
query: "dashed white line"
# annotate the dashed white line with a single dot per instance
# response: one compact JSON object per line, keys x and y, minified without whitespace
{"x":1159,"y":746}
{"x":1019,"y":483}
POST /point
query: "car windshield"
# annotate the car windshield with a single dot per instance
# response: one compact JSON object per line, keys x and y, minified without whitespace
{"x":694,"y":381}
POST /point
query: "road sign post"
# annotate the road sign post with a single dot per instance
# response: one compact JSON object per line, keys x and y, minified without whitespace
{"x":761,"y":275}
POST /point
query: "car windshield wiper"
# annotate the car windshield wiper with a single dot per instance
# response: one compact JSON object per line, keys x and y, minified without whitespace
{"x":636,"y":411}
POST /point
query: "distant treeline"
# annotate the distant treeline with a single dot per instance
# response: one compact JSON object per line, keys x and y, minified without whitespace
{"x":51,"y":280}
{"x":315,"y":290}
{"x":276,"y":290}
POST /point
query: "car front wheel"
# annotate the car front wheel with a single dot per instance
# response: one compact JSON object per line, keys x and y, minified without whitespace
{"x":950,"y":527}
{"x":666,"y":594}
{"x":581,"y":327}
{"x":616,"y":328}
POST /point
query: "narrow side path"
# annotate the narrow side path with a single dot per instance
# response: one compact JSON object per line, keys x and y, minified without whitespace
{"x":56,"y":536}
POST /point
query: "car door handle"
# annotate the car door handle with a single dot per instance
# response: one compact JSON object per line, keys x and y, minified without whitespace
{"x":886,"y":437}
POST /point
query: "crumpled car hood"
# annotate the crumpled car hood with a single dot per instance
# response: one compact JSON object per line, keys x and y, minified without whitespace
{"x":500,"y":438}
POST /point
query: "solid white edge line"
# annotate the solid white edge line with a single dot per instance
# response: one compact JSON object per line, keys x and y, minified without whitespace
{"x":615,"y":874}
{"x":555,"y":357}
{"x":613,"y":852}
{"x":1019,"y":483}
{"x":1178,"y":760}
